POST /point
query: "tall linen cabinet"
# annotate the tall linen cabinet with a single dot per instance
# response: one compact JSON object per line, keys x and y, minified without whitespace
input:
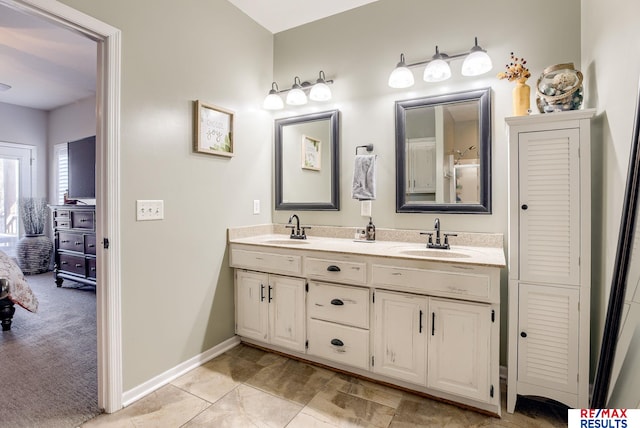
{"x":549,"y":256}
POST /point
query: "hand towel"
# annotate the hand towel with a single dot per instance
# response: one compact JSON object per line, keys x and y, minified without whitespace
{"x":364,"y":178}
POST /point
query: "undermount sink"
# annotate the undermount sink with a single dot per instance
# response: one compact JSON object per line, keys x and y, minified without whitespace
{"x":285,"y":241}
{"x":448,"y":254}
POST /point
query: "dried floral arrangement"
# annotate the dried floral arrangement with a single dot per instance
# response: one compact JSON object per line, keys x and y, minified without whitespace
{"x":33,"y":212}
{"x":516,"y":70}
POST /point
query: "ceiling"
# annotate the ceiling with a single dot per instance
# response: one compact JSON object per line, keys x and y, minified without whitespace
{"x":48,"y":66}
{"x":280,"y":15}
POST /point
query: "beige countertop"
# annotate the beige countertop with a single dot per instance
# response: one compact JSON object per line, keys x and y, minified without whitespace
{"x":492,"y":256}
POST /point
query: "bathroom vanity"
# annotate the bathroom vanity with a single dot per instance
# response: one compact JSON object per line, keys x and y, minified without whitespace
{"x":393,"y":311}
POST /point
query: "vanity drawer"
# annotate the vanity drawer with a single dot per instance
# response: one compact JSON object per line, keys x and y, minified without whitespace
{"x":336,"y":270}
{"x":467,"y":283}
{"x":266,"y":262}
{"x":339,"y":343}
{"x":344,"y":305}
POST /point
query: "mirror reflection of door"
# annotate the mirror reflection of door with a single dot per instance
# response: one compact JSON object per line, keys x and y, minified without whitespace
{"x":15,"y":183}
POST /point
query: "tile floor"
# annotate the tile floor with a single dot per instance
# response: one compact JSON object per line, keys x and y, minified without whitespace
{"x":248,"y":387}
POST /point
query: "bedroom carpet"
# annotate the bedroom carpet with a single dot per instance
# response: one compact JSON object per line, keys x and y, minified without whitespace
{"x":48,"y":366}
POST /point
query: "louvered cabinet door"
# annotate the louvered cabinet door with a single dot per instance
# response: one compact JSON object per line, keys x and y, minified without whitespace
{"x":549,"y":204}
{"x":548,"y":337}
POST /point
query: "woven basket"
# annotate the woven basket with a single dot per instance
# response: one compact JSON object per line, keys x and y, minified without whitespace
{"x":551,"y":97}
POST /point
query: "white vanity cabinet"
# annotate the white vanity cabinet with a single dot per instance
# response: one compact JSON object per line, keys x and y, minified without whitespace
{"x":429,"y":326}
{"x":549,"y":257}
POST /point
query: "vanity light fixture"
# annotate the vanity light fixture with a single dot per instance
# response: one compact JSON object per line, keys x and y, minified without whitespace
{"x":476,"y":62}
{"x":297,"y":94}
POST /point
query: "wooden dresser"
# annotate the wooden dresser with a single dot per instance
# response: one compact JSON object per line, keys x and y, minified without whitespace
{"x":75,"y":243}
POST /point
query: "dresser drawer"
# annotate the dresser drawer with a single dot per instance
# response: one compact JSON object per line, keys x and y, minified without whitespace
{"x":90,"y":244}
{"x":466,"y":283}
{"x":336,"y":270}
{"x":82,"y":220}
{"x":91,"y":268}
{"x":266,"y":262}
{"x":339,"y":343}
{"x":62,"y":214}
{"x":73,"y":264}
{"x":344,"y":305}
{"x":71,"y":241}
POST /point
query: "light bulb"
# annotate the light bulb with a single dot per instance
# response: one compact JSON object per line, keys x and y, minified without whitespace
{"x":436,"y":71}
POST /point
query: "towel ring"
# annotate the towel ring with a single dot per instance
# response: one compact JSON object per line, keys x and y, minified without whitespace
{"x":369,"y":148}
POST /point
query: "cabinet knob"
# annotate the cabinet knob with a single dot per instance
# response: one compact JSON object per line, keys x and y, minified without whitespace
{"x":337,"y":302}
{"x":523,"y":334}
{"x":337,"y":342}
{"x":525,"y":206}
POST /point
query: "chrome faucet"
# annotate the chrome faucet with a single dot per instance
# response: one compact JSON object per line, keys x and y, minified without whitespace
{"x":297,"y":231}
{"x":438,"y":244}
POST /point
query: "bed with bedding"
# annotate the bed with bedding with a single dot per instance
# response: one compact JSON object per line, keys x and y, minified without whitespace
{"x":13,"y":290}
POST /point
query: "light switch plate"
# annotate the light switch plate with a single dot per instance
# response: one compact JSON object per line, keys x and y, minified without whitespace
{"x":365,"y":208}
{"x":149,"y":210}
{"x":256,"y":206}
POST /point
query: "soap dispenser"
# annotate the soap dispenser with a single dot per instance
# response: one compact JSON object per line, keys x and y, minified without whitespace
{"x":371,"y":231}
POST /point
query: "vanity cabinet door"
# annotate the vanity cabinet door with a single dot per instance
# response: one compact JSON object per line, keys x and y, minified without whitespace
{"x":286,"y":297}
{"x":459,"y":348}
{"x":252,"y":319}
{"x":400,"y":336}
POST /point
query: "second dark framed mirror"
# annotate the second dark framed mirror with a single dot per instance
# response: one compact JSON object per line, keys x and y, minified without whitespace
{"x":443,"y":153}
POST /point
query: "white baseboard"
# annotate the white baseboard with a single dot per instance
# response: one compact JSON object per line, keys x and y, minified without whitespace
{"x":132,"y":395}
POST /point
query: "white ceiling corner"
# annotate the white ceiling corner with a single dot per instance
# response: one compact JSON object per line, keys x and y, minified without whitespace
{"x":281,"y":15}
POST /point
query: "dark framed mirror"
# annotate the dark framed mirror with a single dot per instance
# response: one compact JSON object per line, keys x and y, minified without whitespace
{"x":307,"y":162}
{"x":618,"y":365}
{"x":443,"y":153}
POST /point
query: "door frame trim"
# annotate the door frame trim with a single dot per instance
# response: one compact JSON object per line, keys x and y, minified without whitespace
{"x":108,"y":292}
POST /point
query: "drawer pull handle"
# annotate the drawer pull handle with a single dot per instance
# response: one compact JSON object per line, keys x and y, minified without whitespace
{"x":333,"y":268}
{"x":525,"y":207}
{"x":93,"y":269}
{"x":397,"y":274}
{"x":78,"y":265}
{"x":262,"y":292}
{"x":269,"y":294}
{"x":337,"y":342}
{"x":337,"y":302}
{"x":65,"y":241}
{"x":90,"y":245}
{"x":420,"y":328}
{"x":523,"y":334}
{"x":82,"y":220}
{"x":64,"y":263}
{"x":78,"y":243}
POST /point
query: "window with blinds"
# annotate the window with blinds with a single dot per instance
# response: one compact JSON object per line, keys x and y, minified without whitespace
{"x":62,"y":169}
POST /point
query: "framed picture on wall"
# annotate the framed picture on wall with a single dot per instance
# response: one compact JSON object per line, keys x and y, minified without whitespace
{"x":213,"y":133}
{"x":311,"y":153}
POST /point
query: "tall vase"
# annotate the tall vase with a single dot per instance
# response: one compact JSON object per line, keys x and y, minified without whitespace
{"x":521,"y":98}
{"x":34,"y":254}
